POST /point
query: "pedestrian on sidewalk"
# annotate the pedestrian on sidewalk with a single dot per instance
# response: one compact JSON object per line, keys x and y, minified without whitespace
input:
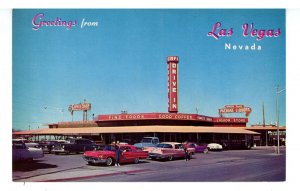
{"x":186,"y":152}
{"x":118,"y":153}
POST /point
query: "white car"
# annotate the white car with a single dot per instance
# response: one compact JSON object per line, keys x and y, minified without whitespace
{"x":214,"y":147}
{"x":21,"y":152}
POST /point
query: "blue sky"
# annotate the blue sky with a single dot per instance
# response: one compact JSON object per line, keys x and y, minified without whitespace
{"x":121,"y":63}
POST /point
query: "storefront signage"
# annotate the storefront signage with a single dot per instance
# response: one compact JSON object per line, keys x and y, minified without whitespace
{"x":80,"y":107}
{"x":229,"y":120}
{"x":170,"y":116}
{"x":173,"y":83}
{"x":235,"y":109}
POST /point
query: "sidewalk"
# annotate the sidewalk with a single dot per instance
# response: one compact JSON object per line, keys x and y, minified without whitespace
{"x":80,"y":174}
{"x":282,"y":149}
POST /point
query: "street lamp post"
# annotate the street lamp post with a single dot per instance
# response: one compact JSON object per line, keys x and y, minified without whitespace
{"x":277,"y":116}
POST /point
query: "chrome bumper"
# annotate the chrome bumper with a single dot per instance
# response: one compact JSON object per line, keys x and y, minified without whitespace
{"x":156,"y":156}
{"x":94,"y":160}
{"x":58,"y":150}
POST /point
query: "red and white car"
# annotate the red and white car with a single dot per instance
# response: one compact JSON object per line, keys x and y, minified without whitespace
{"x":107,"y":156}
{"x":169,"y":151}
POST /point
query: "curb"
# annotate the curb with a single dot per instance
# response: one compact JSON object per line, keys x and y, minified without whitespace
{"x":93,"y":176}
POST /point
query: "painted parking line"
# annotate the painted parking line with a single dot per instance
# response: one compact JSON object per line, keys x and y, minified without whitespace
{"x":94,"y":176}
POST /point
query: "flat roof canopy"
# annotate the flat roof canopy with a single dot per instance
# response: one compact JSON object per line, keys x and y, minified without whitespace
{"x":136,"y":129}
{"x":265,"y":128}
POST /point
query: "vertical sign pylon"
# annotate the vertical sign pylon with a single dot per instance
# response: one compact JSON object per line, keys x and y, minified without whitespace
{"x":172,"y":62}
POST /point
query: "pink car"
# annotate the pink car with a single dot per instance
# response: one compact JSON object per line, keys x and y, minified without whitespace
{"x":169,"y":151}
{"x":198,"y":148}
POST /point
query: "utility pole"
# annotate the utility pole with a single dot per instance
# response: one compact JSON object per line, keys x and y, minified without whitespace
{"x":263,"y":110}
{"x":264,"y":122}
{"x":277,"y":115}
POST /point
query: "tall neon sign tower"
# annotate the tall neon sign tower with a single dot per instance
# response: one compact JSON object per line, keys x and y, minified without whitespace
{"x":172,"y":62}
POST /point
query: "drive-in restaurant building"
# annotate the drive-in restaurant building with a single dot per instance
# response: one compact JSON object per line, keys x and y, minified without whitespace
{"x":171,"y":126}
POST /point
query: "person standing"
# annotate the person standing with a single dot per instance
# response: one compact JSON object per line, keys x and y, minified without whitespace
{"x":186,"y":152}
{"x":118,"y":153}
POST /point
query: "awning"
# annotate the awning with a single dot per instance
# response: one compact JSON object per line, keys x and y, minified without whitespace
{"x":136,"y":129}
{"x":264,"y":128}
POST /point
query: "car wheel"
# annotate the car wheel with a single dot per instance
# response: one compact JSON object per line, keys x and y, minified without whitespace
{"x":91,"y":163}
{"x":109,"y":161}
{"x":30,"y":160}
{"x":170,"y":157}
{"x":205,"y":151}
{"x":248,"y":146}
{"x":136,"y":160}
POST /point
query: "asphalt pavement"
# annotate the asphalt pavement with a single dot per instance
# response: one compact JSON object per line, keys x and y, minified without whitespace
{"x":258,"y":164}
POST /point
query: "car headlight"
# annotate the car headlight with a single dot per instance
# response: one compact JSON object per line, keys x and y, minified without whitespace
{"x":100,"y":156}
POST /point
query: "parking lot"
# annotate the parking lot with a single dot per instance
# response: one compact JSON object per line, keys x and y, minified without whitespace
{"x":258,"y":164}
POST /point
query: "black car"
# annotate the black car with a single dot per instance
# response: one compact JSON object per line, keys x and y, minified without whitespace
{"x":75,"y":146}
{"x":47,"y":146}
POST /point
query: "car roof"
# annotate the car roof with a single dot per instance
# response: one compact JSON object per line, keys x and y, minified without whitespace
{"x":150,"y":137}
{"x":19,"y":139}
{"x":171,"y":143}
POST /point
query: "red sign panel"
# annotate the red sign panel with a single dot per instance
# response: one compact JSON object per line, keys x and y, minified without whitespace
{"x":80,"y":107}
{"x":173,"y":83}
{"x":235,"y":109}
{"x":230,"y":120}
{"x":172,"y":116}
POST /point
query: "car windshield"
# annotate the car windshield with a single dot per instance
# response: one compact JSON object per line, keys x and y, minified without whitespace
{"x":164,"y":146}
{"x":109,"y":148}
{"x":193,"y":145}
{"x":19,"y":145}
{"x":146,"y":140}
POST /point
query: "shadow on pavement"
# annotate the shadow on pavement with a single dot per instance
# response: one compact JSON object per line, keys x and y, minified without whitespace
{"x":31,"y":166}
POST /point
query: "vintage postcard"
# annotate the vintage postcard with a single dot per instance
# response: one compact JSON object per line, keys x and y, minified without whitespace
{"x":149,"y":95}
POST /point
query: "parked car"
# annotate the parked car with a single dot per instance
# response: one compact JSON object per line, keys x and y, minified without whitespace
{"x":28,"y":143}
{"x":21,"y":152}
{"x":169,"y":151}
{"x":198,"y":148}
{"x":47,"y":146}
{"x":129,"y":141}
{"x":147,"y":142}
{"x":77,"y":145}
{"x":214,"y":147}
{"x":107,"y":156}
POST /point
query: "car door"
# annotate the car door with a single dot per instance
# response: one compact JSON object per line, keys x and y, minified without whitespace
{"x":168,"y":149}
{"x":179,"y":150}
{"x":77,"y":146}
{"x":127,"y":154}
{"x":85,"y":145}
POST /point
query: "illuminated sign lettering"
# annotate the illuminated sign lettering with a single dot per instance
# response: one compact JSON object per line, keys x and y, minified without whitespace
{"x":172,"y":83}
{"x":80,"y":107}
{"x":169,"y":116}
{"x":235,"y":109}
